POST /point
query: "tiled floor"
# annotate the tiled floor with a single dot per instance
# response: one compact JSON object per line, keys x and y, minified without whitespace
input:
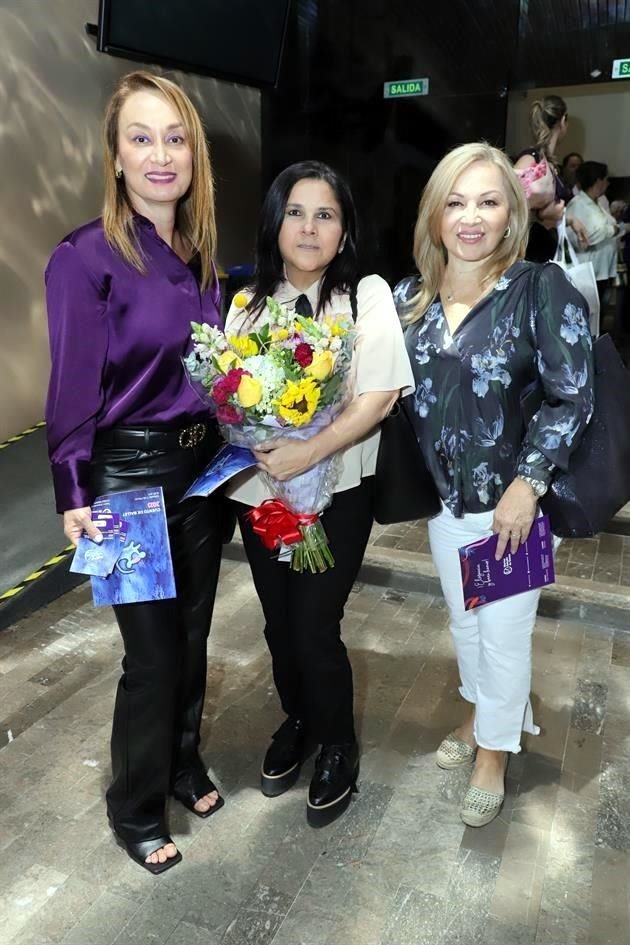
{"x":604,"y":559}
{"x":398,"y":868}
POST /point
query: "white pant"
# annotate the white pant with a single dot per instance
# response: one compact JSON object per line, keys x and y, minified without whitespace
{"x":493,"y":643}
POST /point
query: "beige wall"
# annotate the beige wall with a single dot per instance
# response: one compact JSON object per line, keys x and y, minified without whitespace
{"x":53,"y":86}
{"x":599,"y":122}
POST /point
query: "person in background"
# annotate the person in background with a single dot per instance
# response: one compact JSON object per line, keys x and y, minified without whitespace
{"x":306,"y":258}
{"x":483,"y":326}
{"x":121,"y":293}
{"x":620,"y":212}
{"x":568,"y":170}
{"x":601,"y":229}
{"x":549,"y":118}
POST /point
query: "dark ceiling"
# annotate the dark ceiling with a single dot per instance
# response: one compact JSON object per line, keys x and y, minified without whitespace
{"x":563,"y":42}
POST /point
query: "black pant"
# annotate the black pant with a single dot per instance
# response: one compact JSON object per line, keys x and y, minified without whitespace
{"x":157,"y":716}
{"x":303,"y":614}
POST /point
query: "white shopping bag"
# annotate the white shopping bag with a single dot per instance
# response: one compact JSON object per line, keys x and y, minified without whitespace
{"x":580,"y":274}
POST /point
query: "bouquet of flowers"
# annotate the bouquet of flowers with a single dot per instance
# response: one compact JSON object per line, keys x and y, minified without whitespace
{"x":285,"y":378}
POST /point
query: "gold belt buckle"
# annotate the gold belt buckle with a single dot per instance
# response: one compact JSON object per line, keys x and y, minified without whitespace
{"x":192,"y":436}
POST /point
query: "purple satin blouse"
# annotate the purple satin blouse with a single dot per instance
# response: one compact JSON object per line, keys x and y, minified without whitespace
{"x":117,"y":338}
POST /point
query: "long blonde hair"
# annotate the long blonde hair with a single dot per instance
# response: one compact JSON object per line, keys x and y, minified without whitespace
{"x":428,"y":249}
{"x":195,"y":219}
{"x":545,"y":116}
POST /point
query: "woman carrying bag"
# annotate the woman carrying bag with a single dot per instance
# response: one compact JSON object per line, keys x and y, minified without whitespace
{"x":484,"y":326}
{"x":307,"y":260}
{"x":602,"y":230}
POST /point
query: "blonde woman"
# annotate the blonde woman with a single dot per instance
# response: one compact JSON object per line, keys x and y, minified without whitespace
{"x":549,"y":119}
{"x":484,"y":325}
{"x":121,"y":293}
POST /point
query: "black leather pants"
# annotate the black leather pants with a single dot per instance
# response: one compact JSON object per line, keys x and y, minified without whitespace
{"x":157,"y":716}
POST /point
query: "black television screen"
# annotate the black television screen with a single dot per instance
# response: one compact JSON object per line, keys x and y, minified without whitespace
{"x":237,"y":40}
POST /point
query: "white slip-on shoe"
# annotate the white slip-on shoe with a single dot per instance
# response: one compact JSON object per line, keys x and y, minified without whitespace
{"x":453,"y":753}
{"x":480,"y":807}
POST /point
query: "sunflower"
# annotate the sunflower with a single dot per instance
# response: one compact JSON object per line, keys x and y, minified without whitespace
{"x":299,"y":401}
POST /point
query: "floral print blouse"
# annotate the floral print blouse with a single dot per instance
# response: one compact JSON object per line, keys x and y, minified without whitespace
{"x":531,"y":328}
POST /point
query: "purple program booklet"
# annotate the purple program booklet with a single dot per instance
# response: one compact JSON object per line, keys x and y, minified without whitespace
{"x":485,"y":579}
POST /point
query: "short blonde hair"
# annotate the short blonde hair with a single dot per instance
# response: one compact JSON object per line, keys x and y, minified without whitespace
{"x":196,"y":223}
{"x":428,"y":248}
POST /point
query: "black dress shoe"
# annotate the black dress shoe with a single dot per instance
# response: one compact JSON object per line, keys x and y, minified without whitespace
{"x":281,"y":767}
{"x":333,"y":783}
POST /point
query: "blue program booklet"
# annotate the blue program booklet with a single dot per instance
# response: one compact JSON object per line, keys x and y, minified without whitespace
{"x":98,"y":558}
{"x":144,"y":569}
{"x":229,"y":461}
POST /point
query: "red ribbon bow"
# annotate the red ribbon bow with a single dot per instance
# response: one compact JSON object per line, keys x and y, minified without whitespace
{"x":276,"y":525}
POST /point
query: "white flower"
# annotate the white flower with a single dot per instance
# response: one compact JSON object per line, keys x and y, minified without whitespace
{"x":574,"y":325}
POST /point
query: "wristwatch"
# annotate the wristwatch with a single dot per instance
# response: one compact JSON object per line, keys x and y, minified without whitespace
{"x":538,"y":486}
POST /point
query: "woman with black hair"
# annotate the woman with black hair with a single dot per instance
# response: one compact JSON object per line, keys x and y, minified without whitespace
{"x":602,"y":230}
{"x":568,"y":170}
{"x":307,"y":260}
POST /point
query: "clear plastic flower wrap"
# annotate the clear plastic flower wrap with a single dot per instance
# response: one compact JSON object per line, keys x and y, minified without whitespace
{"x":304,"y":496}
{"x":286,"y":378}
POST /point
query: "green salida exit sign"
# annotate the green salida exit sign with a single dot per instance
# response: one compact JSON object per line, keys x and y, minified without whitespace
{"x":621,"y":69}
{"x":404,"y":88}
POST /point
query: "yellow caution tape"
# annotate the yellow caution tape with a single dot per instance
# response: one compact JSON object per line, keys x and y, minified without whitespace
{"x":20,"y":436}
{"x":43,"y":569}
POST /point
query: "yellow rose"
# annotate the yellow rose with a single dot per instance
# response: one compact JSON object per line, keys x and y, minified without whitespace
{"x":240,"y":300}
{"x":279,"y":334}
{"x":245,"y":345}
{"x":249,"y":391}
{"x":228,"y":360}
{"x":322,"y":365}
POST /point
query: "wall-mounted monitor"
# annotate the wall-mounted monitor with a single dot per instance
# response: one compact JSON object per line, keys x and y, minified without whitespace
{"x":235,"y":40}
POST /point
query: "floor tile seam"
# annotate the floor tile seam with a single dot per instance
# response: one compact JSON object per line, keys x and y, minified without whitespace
{"x":409,"y":691}
{"x":294,"y":903}
{"x":118,"y":940}
{"x":105,"y":892}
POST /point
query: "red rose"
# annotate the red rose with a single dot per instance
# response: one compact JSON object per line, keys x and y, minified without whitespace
{"x":303,"y":354}
{"x":221,"y":391}
{"x":233,"y":379}
{"x":229,"y":414}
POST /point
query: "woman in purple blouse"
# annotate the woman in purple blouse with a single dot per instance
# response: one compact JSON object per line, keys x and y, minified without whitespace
{"x":121,"y":293}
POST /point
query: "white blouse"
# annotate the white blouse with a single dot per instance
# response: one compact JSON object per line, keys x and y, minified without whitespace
{"x":379,"y":363}
{"x":601,"y":229}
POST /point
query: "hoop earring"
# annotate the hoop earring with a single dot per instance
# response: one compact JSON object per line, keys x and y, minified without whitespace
{"x":119,"y":174}
{"x":507,"y":233}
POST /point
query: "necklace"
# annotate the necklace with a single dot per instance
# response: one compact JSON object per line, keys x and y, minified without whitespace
{"x":450,"y":295}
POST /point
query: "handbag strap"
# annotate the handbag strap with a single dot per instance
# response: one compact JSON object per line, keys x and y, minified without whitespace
{"x":564,"y":244}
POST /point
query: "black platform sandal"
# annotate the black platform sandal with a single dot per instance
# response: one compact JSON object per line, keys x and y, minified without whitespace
{"x":190,"y":798}
{"x":139,"y":851}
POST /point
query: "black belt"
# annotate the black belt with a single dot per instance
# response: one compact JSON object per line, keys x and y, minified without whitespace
{"x":154,"y":437}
